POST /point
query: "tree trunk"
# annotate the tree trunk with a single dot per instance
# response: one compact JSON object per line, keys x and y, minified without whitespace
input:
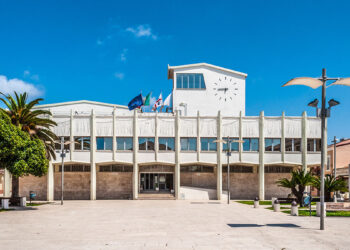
{"x":15,"y":186}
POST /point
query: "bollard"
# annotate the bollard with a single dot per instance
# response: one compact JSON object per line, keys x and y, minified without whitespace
{"x":5,"y":203}
{"x":23,"y":201}
{"x":276,"y":206}
{"x":318,"y":209}
{"x":294,"y":209}
{"x":273,"y":200}
{"x":256,"y":202}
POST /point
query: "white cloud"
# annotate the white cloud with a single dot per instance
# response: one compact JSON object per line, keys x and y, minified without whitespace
{"x":28,"y":74}
{"x":119,"y":75}
{"x":143,"y":30}
{"x":8,"y":86}
{"x":123,"y":55}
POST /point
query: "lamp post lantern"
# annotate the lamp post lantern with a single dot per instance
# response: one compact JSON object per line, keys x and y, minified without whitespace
{"x":323,"y":114}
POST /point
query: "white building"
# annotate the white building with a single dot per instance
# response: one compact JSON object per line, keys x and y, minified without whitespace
{"x":123,"y":154}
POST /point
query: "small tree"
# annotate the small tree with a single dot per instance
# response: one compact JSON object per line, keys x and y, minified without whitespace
{"x":20,"y":154}
{"x":331,"y":184}
{"x":299,"y":181}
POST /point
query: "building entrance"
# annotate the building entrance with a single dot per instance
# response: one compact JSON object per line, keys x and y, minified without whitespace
{"x":156,"y":182}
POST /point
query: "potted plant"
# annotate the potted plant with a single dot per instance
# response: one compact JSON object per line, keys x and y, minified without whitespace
{"x":156,"y":186}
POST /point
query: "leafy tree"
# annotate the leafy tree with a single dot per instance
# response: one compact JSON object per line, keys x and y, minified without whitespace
{"x":299,"y":181}
{"x":331,"y":184}
{"x":33,"y":121}
{"x":20,"y":154}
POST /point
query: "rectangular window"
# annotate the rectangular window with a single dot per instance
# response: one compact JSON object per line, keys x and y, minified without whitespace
{"x":116,"y":168}
{"x":272,"y":144}
{"x":278,"y":169}
{"x":293,"y":144}
{"x":234,"y":145}
{"x":167,"y":143}
{"x":74,"y":168}
{"x":197,"y":169}
{"x":314,"y":145}
{"x":58,"y":144}
{"x":190,"y":81}
{"x":238,"y":169}
{"x":104,"y":143}
{"x":124,"y":143}
{"x":188,"y":144}
{"x":146,"y":143}
{"x":208,"y":144}
{"x":251,"y":144}
{"x":328,"y":162}
{"x":82,"y":143}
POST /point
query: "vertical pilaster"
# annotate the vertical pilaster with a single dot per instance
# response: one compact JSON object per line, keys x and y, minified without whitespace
{"x":156,"y":141}
{"x":92,"y":157}
{"x":71,"y":136}
{"x":304,"y":142}
{"x":177,"y":155}
{"x":7,"y":183}
{"x":114,"y":145}
{"x":283,"y":141}
{"x":261,"y":157}
{"x":50,"y":182}
{"x":135,"y":176}
{"x":198,"y":137}
{"x":240,"y":145}
{"x":219,"y":163}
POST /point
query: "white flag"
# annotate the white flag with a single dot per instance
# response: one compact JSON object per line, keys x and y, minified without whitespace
{"x":167,"y":100}
{"x":158,"y":103}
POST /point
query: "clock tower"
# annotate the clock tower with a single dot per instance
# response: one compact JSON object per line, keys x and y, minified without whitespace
{"x":208,"y":89}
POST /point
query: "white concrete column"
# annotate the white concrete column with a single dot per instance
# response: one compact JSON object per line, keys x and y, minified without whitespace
{"x":304,"y":142}
{"x":71,"y":136}
{"x":219,"y":163}
{"x":156,"y":141}
{"x":198,"y":138}
{"x":177,"y":155}
{"x":7,"y":183}
{"x":92,"y":156}
{"x":135,"y":179}
{"x":283,"y":140}
{"x":240,"y":145}
{"x":261,"y":157}
{"x":50,"y":182}
{"x":114,"y":145}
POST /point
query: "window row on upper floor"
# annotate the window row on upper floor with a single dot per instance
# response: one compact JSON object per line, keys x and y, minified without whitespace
{"x":190,"y":81}
{"x":190,"y":144}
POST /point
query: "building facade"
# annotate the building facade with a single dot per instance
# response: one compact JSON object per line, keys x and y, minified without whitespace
{"x":119,"y":154}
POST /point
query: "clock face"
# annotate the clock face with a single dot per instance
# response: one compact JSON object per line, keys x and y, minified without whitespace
{"x":225,"y":88}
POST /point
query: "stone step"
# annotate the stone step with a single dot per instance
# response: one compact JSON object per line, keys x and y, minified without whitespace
{"x":156,"y":196}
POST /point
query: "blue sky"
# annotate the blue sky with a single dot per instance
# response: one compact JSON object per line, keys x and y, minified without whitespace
{"x":108,"y":51}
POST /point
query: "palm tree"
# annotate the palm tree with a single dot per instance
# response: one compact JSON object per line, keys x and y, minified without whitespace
{"x":331,"y":184}
{"x":35,"y":122}
{"x":299,"y":181}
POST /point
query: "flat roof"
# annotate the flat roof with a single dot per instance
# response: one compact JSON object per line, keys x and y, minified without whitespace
{"x":80,"y":102}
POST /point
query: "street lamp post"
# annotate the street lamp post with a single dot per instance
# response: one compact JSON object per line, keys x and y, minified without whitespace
{"x":325,"y":112}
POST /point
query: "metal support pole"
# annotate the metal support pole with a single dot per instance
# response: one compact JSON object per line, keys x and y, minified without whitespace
{"x":323,"y":148}
{"x":228,"y":169}
{"x":62,"y":168}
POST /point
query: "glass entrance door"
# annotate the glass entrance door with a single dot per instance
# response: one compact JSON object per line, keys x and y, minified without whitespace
{"x":155,"y":182}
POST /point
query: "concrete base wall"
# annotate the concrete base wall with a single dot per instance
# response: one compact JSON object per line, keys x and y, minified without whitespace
{"x":272,"y":189}
{"x":202,"y":180}
{"x":33,"y":183}
{"x":192,"y":193}
{"x":242,"y":185}
{"x":76,"y":186}
{"x":114,"y":185}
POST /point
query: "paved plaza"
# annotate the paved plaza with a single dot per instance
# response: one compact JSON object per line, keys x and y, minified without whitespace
{"x":122,"y":224}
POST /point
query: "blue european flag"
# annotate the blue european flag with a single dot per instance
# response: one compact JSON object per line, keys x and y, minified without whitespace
{"x":136,"y":102}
